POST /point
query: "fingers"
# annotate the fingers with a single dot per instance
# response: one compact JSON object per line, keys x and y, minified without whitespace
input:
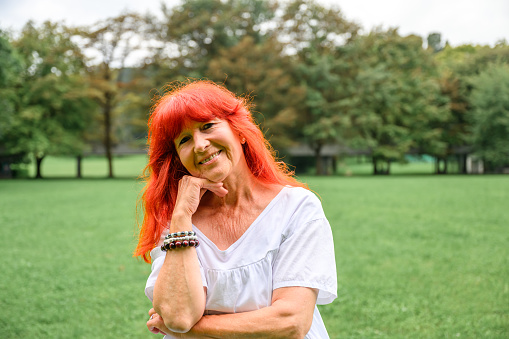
{"x":204,"y":185}
{"x":191,"y":190}
{"x":219,"y":191}
{"x":155,"y":322}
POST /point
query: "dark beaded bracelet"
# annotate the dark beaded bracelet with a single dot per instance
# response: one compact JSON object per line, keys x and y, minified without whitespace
{"x":179,"y":244}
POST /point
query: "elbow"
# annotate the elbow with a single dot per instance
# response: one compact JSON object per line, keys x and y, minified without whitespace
{"x":179,"y":325}
{"x":297,"y":331}
{"x":296,"y":326}
{"x":178,"y":322}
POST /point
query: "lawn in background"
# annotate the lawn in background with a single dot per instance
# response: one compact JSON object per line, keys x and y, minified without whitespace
{"x":131,"y":166}
{"x":417,"y":257}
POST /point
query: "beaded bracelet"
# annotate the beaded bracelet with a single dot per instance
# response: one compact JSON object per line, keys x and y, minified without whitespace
{"x":180,"y":234}
{"x":181,"y":239}
{"x":178,"y":244}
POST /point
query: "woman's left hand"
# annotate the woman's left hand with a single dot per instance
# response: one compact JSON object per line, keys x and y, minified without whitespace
{"x":156,"y":324}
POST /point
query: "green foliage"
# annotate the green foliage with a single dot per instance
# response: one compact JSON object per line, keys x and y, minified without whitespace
{"x":261,"y":72}
{"x":457,"y":67}
{"x":417,"y":257}
{"x":113,"y":41}
{"x":10,"y":63}
{"x":490,"y":115}
{"x":197,"y":31}
{"x":312,"y":78}
{"x":397,"y":105}
{"x":10,"y":69}
{"x":51,"y":109}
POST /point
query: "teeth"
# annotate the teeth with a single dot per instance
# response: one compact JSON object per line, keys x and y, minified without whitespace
{"x":210,"y":158}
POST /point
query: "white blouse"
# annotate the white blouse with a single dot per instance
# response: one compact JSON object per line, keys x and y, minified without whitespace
{"x":289,"y":244}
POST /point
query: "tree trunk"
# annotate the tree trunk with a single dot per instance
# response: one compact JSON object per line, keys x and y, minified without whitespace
{"x":38,"y":161}
{"x":378,"y":168}
{"x":439,"y":169}
{"x":107,"y":133}
{"x":334,"y":164}
{"x":462,"y":160}
{"x":78,"y":166}
{"x":318,"y":158}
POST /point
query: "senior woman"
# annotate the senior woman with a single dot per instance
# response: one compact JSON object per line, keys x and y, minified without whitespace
{"x":239,"y":248}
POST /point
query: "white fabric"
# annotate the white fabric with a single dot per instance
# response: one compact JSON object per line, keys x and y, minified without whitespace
{"x":289,"y":244}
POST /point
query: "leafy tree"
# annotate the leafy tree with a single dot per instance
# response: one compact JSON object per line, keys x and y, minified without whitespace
{"x":397,"y":106}
{"x":322,"y":114}
{"x":52,"y":110}
{"x":457,"y":65}
{"x":10,"y":69}
{"x":113,"y":41}
{"x":262,"y":72}
{"x":313,"y":36}
{"x":306,"y":26}
{"x":490,"y":115}
{"x":194,"y":32}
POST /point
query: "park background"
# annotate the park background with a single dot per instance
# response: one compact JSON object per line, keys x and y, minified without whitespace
{"x":368,"y":118}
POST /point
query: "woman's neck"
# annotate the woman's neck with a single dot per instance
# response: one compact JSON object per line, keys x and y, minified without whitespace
{"x":241,"y":189}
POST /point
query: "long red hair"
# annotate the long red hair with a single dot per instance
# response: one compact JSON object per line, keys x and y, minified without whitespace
{"x":196,"y":101}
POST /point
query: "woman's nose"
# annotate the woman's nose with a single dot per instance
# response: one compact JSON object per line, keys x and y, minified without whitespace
{"x":200,"y":143}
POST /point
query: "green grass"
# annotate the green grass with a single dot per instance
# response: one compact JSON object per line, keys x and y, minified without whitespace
{"x":417,"y":257}
{"x":129,"y":166}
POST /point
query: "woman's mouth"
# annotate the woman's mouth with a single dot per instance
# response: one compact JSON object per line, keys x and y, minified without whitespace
{"x":206,"y":160}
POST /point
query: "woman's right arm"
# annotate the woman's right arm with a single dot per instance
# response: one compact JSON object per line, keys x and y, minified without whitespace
{"x":179,"y":296}
{"x":178,"y":293}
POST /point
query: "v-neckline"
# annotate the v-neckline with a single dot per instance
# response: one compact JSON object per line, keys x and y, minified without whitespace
{"x":232,"y":247}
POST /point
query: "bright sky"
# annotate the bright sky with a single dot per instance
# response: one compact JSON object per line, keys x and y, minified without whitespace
{"x":459,"y":21}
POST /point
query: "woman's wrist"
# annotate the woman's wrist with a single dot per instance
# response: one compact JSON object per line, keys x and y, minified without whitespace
{"x":181,"y":222}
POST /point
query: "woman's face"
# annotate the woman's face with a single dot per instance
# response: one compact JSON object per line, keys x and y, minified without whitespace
{"x":210,"y":150}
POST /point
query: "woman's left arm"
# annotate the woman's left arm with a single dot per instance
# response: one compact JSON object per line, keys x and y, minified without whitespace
{"x":289,"y":316}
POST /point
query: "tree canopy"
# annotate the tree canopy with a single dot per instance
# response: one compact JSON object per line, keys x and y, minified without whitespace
{"x":313,"y":78}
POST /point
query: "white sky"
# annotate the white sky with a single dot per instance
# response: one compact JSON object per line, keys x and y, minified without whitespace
{"x":459,"y":21}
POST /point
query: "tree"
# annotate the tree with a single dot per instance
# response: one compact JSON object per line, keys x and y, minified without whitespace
{"x":490,"y":116}
{"x":457,"y":66}
{"x":314,"y":36}
{"x":52,"y":109}
{"x":397,"y":105}
{"x":195,"y":31}
{"x":113,"y":41}
{"x":10,"y":70}
{"x":261,"y":72}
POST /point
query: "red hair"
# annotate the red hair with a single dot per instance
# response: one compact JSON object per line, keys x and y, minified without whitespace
{"x":196,"y":101}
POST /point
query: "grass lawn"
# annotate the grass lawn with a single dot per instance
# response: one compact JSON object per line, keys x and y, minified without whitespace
{"x":417,"y":257}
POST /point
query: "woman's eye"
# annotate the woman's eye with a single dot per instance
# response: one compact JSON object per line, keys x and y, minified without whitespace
{"x":207,"y":125}
{"x":183,"y":140}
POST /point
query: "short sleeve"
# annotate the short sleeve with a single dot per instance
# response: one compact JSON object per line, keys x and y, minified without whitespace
{"x":157,"y":262}
{"x":306,"y":258}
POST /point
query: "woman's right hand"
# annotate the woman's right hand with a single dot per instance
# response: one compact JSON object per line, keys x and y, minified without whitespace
{"x":190,"y":191}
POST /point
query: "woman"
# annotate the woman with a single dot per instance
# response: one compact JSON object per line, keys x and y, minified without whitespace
{"x":265,"y":255}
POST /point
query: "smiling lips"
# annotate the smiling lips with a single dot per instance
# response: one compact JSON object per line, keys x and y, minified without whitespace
{"x":204,"y":161}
